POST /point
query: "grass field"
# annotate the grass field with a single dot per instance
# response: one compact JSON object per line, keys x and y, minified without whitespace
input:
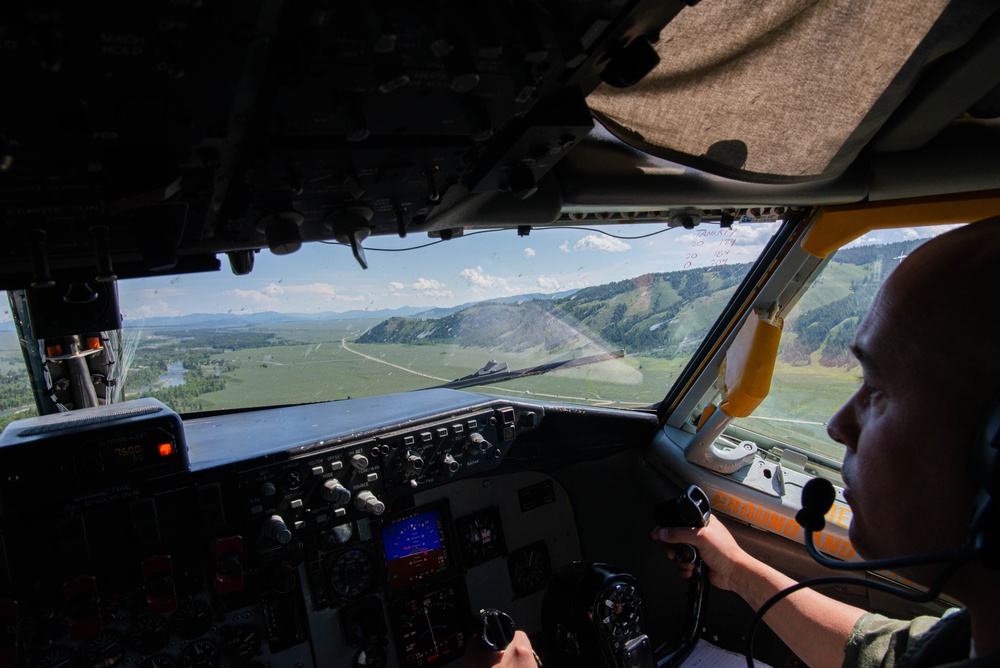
{"x":314,"y":366}
{"x":10,"y":353}
{"x":320,"y":368}
{"x":803,"y":399}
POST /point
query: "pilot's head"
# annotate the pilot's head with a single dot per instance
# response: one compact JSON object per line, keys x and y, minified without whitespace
{"x":930,"y":360}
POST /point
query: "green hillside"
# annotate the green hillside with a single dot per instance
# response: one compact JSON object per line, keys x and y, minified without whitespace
{"x":823,"y":325}
{"x":653,"y":314}
{"x":661,"y":315}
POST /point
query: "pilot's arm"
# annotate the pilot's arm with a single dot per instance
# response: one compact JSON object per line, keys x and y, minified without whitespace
{"x":812,"y":625}
{"x":517,"y":655}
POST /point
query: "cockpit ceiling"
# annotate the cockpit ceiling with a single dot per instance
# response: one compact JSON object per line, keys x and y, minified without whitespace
{"x":790,"y":90}
{"x":153,"y":141}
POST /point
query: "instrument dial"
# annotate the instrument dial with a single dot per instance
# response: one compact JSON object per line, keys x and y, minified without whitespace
{"x":201,"y":654}
{"x":149,"y":634}
{"x":56,"y":657}
{"x":243,"y":641}
{"x":192,"y":619}
{"x":352,"y":573}
{"x":371,"y":656}
{"x":105,"y":650}
{"x":481,"y":536}
{"x":432,"y":627}
{"x":529,"y":568}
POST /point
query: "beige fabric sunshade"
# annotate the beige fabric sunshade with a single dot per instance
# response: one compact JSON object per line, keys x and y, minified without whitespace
{"x":771,"y":90}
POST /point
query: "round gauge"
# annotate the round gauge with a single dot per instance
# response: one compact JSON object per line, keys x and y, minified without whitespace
{"x":529,"y":568}
{"x":149,"y":634}
{"x":159,"y":661}
{"x":432,"y":627}
{"x":242,"y":641}
{"x":481,"y":536}
{"x":56,"y":657}
{"x":617,"y":607}
{"x":192,"y":619}
{"x":352,"y":573}
{"x":104,"y":650}
{"x":371,"y":656}
{"x":201,"y":654}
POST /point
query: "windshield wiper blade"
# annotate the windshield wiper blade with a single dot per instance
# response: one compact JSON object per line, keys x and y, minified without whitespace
{"x":499,"y":377}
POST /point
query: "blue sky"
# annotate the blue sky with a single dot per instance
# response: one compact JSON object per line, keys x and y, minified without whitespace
{"x":321,"y":278}
{"x":479,"y":266}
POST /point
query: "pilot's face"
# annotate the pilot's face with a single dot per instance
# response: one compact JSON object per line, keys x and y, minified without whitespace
{"x":907,"y":468}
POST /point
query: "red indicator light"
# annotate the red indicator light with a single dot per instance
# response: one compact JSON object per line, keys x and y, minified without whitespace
{"x":166,"y":449}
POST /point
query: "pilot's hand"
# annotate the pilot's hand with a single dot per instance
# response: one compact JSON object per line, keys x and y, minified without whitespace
{"x":716,"y":546}
{"x":517,"y":655}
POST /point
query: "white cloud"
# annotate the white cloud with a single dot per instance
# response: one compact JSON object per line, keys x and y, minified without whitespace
{"x":601,"y":243}
{"x":277,"y":297}
{"x":427,"y":287}
{"x":564,"y":247}
{"x":259,"y":298}
{"x":156,"y":293}
{"x":547,"y":283}
{"x":425,"y":284}
{"x":529,"y":252}
{"x":476,"y":278}
{"x":745,"y":233}
{"x":755,"y":233}
{"x":158,"y":308}
{"x":430,"y":287}
{"x":865,"y":240}
{"x":934,"y":230}
{"x":889,"y":236}
{"x":324,"y":289}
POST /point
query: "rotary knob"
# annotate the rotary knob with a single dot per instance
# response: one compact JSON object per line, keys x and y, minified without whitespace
{"x":368,"y":503}
{"x":478,"y":442}
{"x":449,"y":464}
{"x":359,"y":461}
{"x":276,"y":529}
{"x":414,"y":462}
{"x":335,"y":493}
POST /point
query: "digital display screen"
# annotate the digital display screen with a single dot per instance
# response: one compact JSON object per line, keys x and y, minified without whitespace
{"x":433,"y":627}
{"x":415,"y":548}
{"x":134,"y":453}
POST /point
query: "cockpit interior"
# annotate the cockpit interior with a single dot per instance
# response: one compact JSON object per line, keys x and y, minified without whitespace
{"x":229,"y":440}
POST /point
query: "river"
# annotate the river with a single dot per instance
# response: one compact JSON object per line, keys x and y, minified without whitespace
{"x":172,"y":378}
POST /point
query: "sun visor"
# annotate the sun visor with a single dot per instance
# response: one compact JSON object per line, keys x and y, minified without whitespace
{"x":781,"y":91}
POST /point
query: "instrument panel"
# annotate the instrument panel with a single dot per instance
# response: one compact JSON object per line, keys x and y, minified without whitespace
{"x":312,"y":535}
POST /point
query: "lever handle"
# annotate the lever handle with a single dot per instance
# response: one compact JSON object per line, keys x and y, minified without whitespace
{"x":497,"y":629}
{"x":690,"y":509}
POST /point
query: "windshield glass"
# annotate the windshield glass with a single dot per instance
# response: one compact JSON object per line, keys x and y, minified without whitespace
{"x":816,"y":372}
{"x":314,"y":326}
